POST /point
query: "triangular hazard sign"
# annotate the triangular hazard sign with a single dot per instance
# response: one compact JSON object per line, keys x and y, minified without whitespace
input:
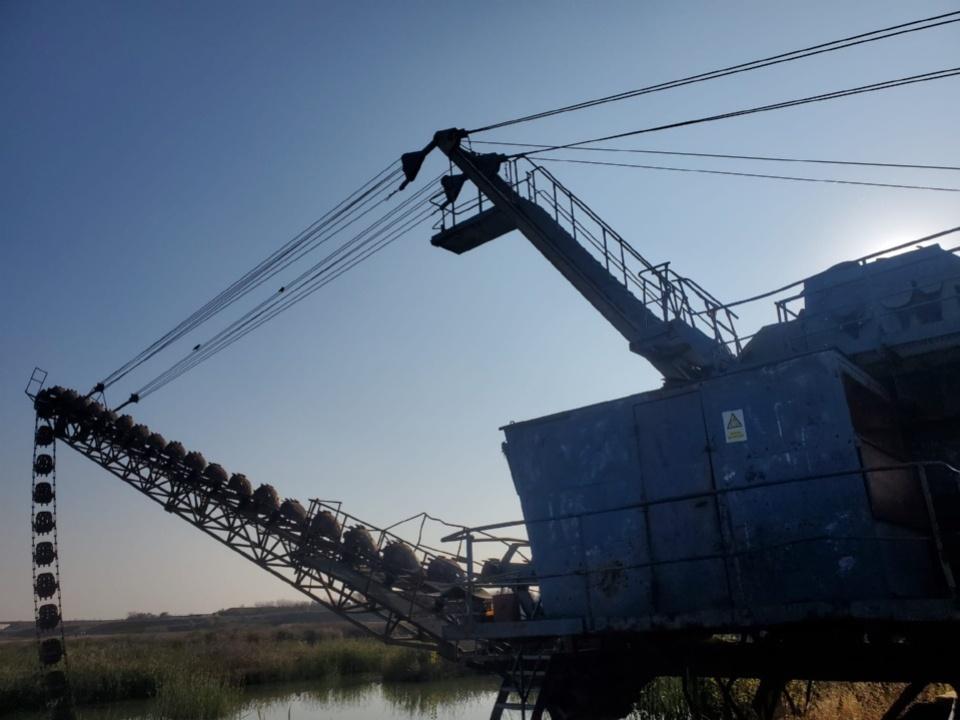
{"x":734,"y":423}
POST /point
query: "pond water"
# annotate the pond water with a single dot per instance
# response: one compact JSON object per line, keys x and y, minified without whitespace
{"x":458,"y":699}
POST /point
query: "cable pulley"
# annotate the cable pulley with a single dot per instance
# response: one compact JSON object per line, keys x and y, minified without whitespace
{"x":452,"y":185}
{"x":411,"y":163}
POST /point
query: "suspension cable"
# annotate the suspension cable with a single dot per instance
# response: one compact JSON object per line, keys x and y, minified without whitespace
{"x":248,"y":324}
{"x":253,"y":325}
{"x":766,"y":158}
{"x":350,"y":253}
{"x":794,"y":178}
{"x":873,"y":87}
{"x":839,"y":44}
{"x":304,"y":242}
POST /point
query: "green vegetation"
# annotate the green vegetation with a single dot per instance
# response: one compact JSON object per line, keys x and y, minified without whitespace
{"x":662,"y":699}
{"x":201,"y":675}
{"x":199,"y":695}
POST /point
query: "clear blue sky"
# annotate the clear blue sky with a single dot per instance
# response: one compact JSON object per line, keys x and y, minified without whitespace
{"x":152,"y":152}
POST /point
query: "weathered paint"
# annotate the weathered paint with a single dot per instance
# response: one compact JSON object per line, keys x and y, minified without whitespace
{"x":641,"y":514}
{"x":899,"y":304}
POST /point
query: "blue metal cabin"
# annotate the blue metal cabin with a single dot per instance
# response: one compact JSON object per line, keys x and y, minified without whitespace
{"x":801,"y":476}
{"x":652,"y":511}
{"x":649,"y":511}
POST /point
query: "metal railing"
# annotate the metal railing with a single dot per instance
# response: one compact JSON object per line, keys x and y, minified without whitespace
{"x":658,"y":286}
{"x":669,"y":295}
{"x":414,"y":585}
{"x":406,"y":605}
{"x":401,"y":603}
{"x":933,"y":533}
{"x":790,"y":307}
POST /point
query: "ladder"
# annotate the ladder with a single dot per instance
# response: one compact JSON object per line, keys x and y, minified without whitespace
{"x":521,"y":684}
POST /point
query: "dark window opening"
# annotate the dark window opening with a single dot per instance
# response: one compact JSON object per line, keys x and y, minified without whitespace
{"x":895,"y":493}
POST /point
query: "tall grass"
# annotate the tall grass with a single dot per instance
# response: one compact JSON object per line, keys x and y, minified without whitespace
{"x":202,"y":675}
{"x":662,"y":699}
{"x":207,"y":669}
{"x":188,"y":695}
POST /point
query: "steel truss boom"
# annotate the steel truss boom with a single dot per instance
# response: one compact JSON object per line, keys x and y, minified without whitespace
{"x":399,"y":608}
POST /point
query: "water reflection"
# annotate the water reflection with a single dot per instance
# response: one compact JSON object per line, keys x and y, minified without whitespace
{"x":443,"y":696}
{"x":460,"y":699}
{"x":469,"y":698}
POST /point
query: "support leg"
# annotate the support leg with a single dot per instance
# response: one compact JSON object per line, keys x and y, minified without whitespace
{"x":909,"y":694}
{"x":730,"y":709}
{"x":766,"y":701}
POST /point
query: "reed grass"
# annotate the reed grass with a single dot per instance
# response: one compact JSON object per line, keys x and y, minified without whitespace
{"x":208,"y":669}
{"x":189,"y":695}
{"x":202,"y":675}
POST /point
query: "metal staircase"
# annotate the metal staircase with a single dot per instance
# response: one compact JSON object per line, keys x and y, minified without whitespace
{"x":668,"y":294}
{"x":521,"y":684}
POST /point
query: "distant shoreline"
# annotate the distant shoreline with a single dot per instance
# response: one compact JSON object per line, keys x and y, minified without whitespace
{"x":150,"y":623}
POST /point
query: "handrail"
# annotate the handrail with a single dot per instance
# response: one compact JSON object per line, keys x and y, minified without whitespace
{"x":532,"y":579}
{"x":879,"y":255}
{"x":704,"y":494}
{"x":672,"y":292}
{"x":782,"y":302}
{"x":656,"y":285}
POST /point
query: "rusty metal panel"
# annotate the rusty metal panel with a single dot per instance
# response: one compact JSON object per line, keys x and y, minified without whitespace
{"x":620,"y":578}
{"x":674,"y":455}
{"x":571,"y":466}
{"x":740,"y":500}
{"x":695,"y":589}
{"x":685,"y":535}
{"x":791,"y":543}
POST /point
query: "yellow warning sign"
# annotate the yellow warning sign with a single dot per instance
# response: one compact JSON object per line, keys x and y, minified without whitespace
{"x":734,"y":427}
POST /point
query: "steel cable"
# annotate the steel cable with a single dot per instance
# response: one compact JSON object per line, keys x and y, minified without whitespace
{"x":873,"y":87}
{"x":794,"y":178}
{"x":766,"y":158}
{"x":263,"y":315}
{"x":343,"y":258}
{"x":840,"y":44}
{"x":294,"y":249}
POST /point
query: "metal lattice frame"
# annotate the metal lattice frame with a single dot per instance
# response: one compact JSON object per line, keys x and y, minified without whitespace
{"x":397,"y":610}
